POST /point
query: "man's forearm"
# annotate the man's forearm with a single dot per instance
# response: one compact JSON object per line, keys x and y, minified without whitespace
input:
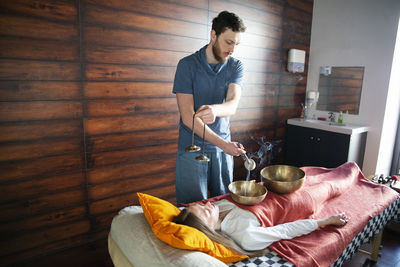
{"x":231,"y":103}
{"x":225,"y":109}
{"x":210,"y":135}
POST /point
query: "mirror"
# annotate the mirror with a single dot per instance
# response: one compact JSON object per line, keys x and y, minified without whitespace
{"x":340,"y":89}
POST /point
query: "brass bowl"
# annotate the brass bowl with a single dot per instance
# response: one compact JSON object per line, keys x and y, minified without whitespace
{"x":282,"y":179}
{"x":247,"y":193}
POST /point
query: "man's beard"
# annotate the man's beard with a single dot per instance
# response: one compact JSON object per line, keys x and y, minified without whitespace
{"x":217,"y":52}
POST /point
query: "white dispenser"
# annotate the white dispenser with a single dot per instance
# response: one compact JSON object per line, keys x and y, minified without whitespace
{"x":296,"y":59}
{"x":311,"y":100}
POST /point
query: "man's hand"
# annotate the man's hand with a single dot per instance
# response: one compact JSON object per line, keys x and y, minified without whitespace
{"x":233,"y":149}
{"x":206,"y":113}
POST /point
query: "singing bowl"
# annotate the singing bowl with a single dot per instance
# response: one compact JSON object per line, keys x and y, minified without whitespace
{"x":247,"y":193}
{"x":282,"y":179}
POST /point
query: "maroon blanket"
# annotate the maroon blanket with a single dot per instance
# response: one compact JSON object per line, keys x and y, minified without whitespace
{"x":324,"y":193}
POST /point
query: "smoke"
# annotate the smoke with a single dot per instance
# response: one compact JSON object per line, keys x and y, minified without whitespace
{"x":267,"y":152}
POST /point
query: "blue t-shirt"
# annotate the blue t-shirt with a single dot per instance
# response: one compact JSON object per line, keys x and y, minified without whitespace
{"x":209,"y":85}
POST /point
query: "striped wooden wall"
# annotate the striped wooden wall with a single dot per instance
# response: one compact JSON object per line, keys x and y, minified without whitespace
{"x":87,"y":117}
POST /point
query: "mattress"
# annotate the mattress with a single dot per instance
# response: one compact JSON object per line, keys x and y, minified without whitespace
{"x":132,"y":243}
{"x":117,"y":256}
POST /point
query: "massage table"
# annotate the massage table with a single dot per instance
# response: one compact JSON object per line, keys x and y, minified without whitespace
{"x":131,"y":242}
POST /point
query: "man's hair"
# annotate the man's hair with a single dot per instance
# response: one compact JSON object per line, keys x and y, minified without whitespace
{"x":227,"y":20}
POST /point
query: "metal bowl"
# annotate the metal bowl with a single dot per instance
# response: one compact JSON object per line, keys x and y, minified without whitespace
{"x":282,"y":179}
{"x":247,"y":193}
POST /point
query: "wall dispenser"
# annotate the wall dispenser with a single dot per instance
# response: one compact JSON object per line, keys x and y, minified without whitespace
{"x":296,"y":59}
{"x":311,"y":100}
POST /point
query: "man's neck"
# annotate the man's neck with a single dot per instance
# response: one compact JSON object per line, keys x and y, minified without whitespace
{"x":210,"y":55}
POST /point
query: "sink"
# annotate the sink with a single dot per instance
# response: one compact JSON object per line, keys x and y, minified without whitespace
{"x":329,"y":126}
{"x":332,"y":123}
{"x":329,"y":123}
{"x":337,"y":124}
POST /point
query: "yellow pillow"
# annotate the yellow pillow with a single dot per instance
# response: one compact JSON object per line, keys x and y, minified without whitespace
{"x":159,"y":214}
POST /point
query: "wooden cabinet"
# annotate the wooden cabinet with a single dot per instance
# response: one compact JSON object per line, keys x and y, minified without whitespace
{"x":313,"y":147}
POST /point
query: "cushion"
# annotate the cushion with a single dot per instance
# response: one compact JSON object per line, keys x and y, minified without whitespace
{"x":159,"y":214}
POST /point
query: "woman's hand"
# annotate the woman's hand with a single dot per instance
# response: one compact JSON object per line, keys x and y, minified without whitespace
{"x":338,"y":219}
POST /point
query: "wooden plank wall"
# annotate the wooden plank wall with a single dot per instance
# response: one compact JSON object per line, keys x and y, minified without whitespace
{"x":87,"y":117}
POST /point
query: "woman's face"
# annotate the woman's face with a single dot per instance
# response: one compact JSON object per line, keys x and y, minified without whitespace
{"x":208,"y":213}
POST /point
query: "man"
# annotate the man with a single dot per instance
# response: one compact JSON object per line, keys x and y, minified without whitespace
{"x":208,"y":84}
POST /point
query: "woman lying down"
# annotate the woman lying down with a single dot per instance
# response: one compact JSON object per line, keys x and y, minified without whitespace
{"x":227,"y":224}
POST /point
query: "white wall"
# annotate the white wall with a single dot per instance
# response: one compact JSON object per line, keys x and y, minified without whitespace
{"x":360,"y":33}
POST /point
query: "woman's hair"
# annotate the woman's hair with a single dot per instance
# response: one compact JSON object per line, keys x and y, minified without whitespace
{"x":189,"y":219}
{"x":227,"y":20}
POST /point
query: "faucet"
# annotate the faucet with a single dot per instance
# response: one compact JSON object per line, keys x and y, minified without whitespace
{"x":332,"y":116}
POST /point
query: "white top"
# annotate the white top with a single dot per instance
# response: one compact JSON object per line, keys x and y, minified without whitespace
{"x":245,"y":229}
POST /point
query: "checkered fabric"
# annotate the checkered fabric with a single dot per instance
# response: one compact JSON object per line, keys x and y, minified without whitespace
{"x":272,"y":259}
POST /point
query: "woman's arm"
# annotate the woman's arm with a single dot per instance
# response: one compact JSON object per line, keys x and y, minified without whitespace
{"x":248,"y":233}
{"x":255,"y":238}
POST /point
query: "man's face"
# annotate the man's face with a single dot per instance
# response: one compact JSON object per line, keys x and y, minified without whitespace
{"x":223,"y":46}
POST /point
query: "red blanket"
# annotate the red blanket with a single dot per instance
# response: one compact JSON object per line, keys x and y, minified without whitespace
{"x":324,"y":193}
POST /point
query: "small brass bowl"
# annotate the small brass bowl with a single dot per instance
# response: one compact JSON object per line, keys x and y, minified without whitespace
{"x":247,"y":193}
{"x":282,"y":179}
